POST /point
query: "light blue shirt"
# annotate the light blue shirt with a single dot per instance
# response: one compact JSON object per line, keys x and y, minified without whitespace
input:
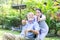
{"x":30,"y":26}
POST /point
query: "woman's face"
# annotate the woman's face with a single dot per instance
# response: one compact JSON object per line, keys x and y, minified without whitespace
{"x":38,"y":13}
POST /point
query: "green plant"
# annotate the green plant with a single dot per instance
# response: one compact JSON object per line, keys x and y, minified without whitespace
{"x":12,"y":17}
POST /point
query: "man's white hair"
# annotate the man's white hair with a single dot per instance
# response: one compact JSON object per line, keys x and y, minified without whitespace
{"x":29,"y":16}
{"x":30,"y":13}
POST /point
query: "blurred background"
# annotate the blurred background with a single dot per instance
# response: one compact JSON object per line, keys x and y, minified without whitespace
{"x":13,"y":11}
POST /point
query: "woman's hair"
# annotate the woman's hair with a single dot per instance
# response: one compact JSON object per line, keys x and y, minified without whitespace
{"x":39,"y":9}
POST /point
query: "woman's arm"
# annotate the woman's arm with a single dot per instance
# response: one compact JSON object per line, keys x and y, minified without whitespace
{"x":42,"y":18}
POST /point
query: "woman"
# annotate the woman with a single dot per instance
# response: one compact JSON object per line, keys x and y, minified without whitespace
{"x":40,"y":18}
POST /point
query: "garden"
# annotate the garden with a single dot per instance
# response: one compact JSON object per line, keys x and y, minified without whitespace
{"x":12,"y":12}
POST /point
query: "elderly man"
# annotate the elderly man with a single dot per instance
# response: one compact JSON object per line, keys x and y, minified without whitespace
{"x":29,"y":31}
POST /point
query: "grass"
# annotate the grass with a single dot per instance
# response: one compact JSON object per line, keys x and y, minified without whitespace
{"x":7,"y":31}
{"x":17,"y":33}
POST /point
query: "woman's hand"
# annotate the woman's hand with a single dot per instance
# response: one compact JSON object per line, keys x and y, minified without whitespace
{"x":38,"y":15}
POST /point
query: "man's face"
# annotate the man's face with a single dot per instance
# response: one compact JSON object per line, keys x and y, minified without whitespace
{"x":30,"y":16}
{"x":38,"y":13}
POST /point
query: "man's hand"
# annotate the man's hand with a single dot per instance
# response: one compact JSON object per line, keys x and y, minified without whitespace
{"x":26,"y":31}
{"x":23,"y":22}
{"x":30,"y":30}
{"x":33,"y":31}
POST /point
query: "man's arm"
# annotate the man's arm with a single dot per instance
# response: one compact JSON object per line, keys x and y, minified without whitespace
{"x":24,"y":22}
{"x":23,"y":30}
{"x":36,"y":29}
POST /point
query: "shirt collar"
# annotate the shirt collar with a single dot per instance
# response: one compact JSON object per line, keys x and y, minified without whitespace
{"x":31,"y":22}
